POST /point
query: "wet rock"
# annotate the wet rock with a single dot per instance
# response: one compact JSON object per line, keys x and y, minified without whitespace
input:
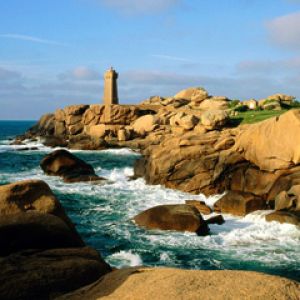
{"x":179,"y":217}
{"x":290,"y":217}
{"x":219,"y":220}
{"x":66,"y":165}
{"x":240,"y":203}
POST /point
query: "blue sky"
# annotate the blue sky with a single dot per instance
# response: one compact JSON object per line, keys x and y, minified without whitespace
{"x":53,"y":52}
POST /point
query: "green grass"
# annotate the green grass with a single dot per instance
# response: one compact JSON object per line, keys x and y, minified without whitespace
{"x":250,"y":117}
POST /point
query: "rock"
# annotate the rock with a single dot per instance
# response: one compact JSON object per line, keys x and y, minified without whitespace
{"x":121,"y":114}
{"x":200,"y":206}
{"x":186,"y":121}
{"x":60,"y":128}
{"x":213,"y":104}
{"x":45,"y":126}
{"x":219,"y":220}
{"x":123,"y":135}
{"x":54,"y":141}
{"x":271,"y":105}
{"x":97,"y":131}
{"x":86,"y":142}
{"x":267,"y":144}
{"x":290,"y":217}
{"x":60,"y":115}
{"x":283,"y":201}
{"x":179,"y":217}
{"x":178,"y":284}
{"x":31,"y":195}
{"x":35,"y":230}
{"x":192,"y":94}
{"x":214,"y":119}
{"x":75,"y":129}
{"x":240,"y":203}
{"x":66,"y":165}
{"x":36,"y":274}
{"x":200,"y":129}
{"x":282,"y":98}
{"x":144,"y":124}
{"x":73,"y":119}
{"x":76,"y":109}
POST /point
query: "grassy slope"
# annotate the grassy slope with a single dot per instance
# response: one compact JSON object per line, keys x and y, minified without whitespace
{"x":250,"y":117}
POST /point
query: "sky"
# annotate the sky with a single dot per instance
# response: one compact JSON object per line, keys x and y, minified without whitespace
{"x":53,"y":53}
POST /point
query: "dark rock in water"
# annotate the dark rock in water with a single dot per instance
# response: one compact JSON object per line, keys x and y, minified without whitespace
{"x":34,"y":274}
{"x":200,"y":206}
{"x":239,"y":203}
{"x":68,"y":166}
{"x":219,"y":220}
{"x":31,"y":195}
{"x":35,"y":230}
{"x":17,"y":142}
{"x":28,"y":149}
{"x":179,"y":217}
{"x":291,"y":217}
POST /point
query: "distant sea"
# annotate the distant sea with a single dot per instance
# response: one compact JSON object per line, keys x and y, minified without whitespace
{"x":102,"y":214}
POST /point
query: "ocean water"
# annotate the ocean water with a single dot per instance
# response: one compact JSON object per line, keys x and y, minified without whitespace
{"x":103,"y":212}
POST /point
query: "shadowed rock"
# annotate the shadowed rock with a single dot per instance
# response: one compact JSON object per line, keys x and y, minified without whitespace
{"x":66,"y":165}
{"x":35,"y":274}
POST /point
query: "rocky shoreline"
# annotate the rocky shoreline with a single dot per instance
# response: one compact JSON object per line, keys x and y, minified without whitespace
{"x":187,"y":143}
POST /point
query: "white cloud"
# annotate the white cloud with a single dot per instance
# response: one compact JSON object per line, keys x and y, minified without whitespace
{"x":284,"y":31}
{"x":80,"y":73}
{"x":140,"y":6}
{"x":30,"y":38}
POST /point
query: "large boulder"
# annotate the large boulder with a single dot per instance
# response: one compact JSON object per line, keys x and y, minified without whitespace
{"x":214,"y":119}
{"x":213,"y":104}
{"x":66,"y":165}
{"x":179,"y":217}
{"x":200,"y":206}
{"x":269,"y":145}
{"x":36,"y":274}
{"x":145,"y":124}
{"x":35,"y":230}
{"x":178,"y":284}
{"x":30,"y":195}
{"x":239,"y":203}
{"x":194,"y":94}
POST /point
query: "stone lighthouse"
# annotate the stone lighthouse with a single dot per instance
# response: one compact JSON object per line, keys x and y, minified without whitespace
{"x":110,"y":87}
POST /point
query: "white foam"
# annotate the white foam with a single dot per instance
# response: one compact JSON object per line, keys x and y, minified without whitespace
{"x":125,"y":258}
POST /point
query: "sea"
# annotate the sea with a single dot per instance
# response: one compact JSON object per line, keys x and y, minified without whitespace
{"x":103,"y":216}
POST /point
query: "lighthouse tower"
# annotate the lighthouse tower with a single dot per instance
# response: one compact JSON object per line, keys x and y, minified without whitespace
{"x":110,"y":87}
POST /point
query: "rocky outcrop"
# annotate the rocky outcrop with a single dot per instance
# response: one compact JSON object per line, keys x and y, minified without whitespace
{"x":31,"y":196}
{"x":35,"y":230}
{"x":66,"y":165}
{"x":255,"y":163}
{"x":178,"y":217}
{"x":40,"y":247}
{"x":267,"y":144}
{"x":47,"y":274}
{"x":165,"y":284}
